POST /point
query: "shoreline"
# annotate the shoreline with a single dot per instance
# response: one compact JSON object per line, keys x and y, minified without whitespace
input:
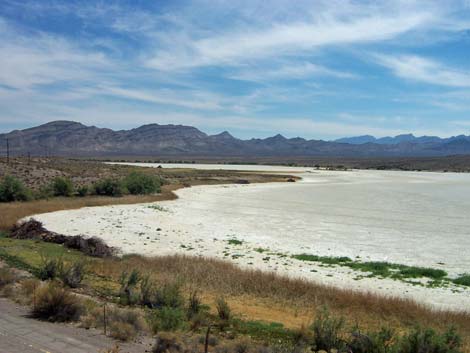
{"x":161,"y":228}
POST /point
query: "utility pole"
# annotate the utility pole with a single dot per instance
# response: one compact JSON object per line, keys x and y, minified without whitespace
{"x":8,"y":151}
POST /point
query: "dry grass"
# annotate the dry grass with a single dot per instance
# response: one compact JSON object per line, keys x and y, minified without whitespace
{"x":251,"y":294}
{"x":12,"y":212}
{"x":266,"y":296}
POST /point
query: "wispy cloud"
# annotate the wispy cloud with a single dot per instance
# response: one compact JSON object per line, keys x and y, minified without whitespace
{"x":241,"y":45}
{"x":417,"y":68}
{"x":292,"y":71}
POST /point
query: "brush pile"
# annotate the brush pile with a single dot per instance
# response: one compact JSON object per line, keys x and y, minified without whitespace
{"x":33,"y":229}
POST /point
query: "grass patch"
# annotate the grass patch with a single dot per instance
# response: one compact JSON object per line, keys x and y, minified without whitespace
{"x":323,"y":259}
{"x":158,"y":208}
{"x":261,"y":250}
{"x":377,"y":268}
{"x":234,"y":242}
{"x":271,"y":332}
{"x":463,"y":280}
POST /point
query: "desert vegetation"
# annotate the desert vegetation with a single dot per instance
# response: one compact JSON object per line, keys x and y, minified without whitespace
{"x":240,"y":309}
{"x":39,"y":185}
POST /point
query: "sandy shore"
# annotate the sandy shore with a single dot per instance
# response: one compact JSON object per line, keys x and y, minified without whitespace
{"x":408,"y":218}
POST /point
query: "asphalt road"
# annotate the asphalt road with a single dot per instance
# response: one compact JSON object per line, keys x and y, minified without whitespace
{"x":20,"y":334}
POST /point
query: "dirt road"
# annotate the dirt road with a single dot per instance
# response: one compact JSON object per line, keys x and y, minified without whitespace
{"x":20,"y":334}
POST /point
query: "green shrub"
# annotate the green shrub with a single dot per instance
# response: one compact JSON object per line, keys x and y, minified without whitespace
{"x":62,"y":187}
{"x":129,"y":281}
{"x":82,"y":191}
{"x":194,"y":305}
{"x":138,"y":183}
{"x":147,"y":291}
{"x":327,"y":332}
{"x":428,"y":341}
{"x":380,"y":342}
{"x":72,"y":275}
{"x":169,"y":295}
{"x":54,"y":303}
{"x":109,"y":187}
{"x":12,"y":189}
{"x":223,"y":310}
{"x":224,"y":313}
{"x":168,"y":319}
{"x":50,"y":268}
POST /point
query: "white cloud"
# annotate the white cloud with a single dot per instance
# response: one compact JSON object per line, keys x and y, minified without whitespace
{"x":38,"y":59}
{"x":417,"y":68}
{"x":335,"y":26}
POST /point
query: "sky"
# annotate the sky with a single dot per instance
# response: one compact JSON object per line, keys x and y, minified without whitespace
{"x":319,"y":69}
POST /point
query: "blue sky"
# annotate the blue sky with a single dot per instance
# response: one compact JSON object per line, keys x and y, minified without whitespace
{"x":316,"y":69}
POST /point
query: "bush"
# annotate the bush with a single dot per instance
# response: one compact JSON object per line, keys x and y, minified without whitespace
{"x":428,"y":341}
{"x":129,"y":282}
{"x":73,"y":274}
{"x":138,"y":183}
{"x":62,"y":187}
{"x":147,"y":291}
{"x":12,"y":189}
{"x":194,"y":305}
{"x":168,"y":319}
{"x":168,"y":343}
{"x":223,"y":310}
{"x":124,"y":324}
{"x":122,"y":331}
{"x":169,"y":295}
{"x":50,"y":269}
{"x":380,"y":342}
{"x":82,"y":191}
{"x":327,"y":332}
{"x":109,"y":187}
{"x":54,"y":303}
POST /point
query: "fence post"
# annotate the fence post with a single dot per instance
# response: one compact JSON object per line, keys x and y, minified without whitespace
{"x":206,"y":343}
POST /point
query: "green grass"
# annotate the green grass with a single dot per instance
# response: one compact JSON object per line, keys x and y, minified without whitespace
{"x":463,"y":280}
{"x":272,"y":332}
{"x":158,"y":208}
{"x":378,"y":268}
{"x":261,"y":250}
{"x":323,"y":259}
{"x":234,"y":242}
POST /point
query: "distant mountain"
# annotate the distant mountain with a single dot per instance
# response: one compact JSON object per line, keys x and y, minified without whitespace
{"x":358,"y":140}
{"x":68,"y":138}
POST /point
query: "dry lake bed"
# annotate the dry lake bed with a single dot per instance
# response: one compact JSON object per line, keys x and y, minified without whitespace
{"x":410,"y":218}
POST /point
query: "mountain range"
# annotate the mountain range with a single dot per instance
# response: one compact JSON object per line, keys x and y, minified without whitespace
{"x":68,"y":138}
